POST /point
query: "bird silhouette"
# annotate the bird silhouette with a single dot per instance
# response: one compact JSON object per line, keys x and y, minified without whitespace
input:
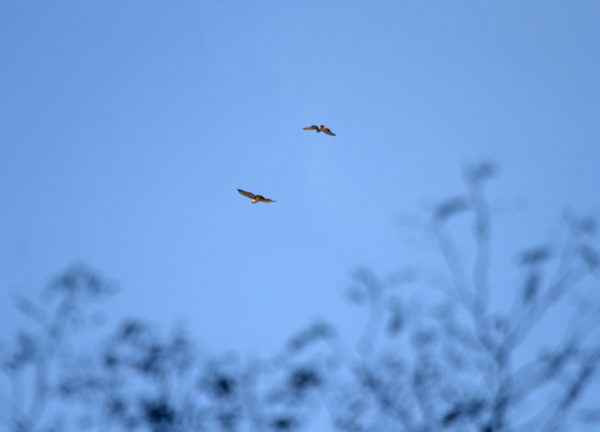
{"x":320,"y":128}
{"x":255,"y":198}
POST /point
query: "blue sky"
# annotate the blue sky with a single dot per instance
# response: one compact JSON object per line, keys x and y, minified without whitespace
{"x":127,"y":127}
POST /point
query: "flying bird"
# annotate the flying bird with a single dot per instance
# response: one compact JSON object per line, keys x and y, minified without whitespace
{"x":320,"y":128}
{"x":255,"y":198}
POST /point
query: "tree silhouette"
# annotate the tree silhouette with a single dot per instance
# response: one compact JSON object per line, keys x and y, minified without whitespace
{"x":455,"y":360}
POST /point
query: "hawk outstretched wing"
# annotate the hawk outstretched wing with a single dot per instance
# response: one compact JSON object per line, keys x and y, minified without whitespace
{"x":247,"y":194}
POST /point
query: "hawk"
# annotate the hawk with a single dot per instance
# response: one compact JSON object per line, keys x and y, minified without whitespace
{"x":320,"y":128}
{"x":255,"y":198}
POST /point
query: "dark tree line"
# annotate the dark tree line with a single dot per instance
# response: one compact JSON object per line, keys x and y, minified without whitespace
{"x":452,"y":361}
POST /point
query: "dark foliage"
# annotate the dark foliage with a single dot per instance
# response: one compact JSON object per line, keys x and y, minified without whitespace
{"x":451,"y":362}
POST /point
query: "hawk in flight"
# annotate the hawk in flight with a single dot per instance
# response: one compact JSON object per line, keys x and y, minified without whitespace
{"x":255,"y":198}
{"x":320,"y":129}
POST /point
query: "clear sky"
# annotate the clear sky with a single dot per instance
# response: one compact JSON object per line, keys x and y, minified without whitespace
{"x":126,"y":127}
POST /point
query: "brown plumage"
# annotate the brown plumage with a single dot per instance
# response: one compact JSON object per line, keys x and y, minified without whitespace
{"x":255,"y":198}
{"x":320,"y":128}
